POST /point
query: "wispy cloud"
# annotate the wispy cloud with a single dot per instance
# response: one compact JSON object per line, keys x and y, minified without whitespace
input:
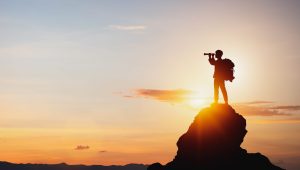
{"x":128,"y":27}
{"x":279,"y":121}
{"x":190,"y":98}
{"x":82,"y":147}
{"x":172,"y":96}
{"x":252,"y":109}
{"x":259,"y":102}
{"x":258,"y":110}
{"x":290,"y":108}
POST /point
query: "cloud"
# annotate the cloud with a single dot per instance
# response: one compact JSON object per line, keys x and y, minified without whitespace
{"x":279,"y":121}
{"x":128,"y":27}
{"x":257,"y":110}
{"x":128,"y":96}
{"x":102,"y":151}
{"x":191,"y":98}
{"x":172,"y":96}
{"x":188,"y":98}
{"x":290,"y":108}
{"x":259,"y":102}
{"x":82,"y":147}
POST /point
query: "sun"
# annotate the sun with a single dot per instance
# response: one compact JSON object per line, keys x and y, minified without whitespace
{"x":197,"y":103}
{"x":196,"y":100}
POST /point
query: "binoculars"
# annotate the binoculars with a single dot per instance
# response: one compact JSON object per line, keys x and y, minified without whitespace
{"x":209,"y":53}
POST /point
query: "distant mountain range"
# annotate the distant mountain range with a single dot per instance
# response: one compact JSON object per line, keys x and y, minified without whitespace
{"x":63,"y":166}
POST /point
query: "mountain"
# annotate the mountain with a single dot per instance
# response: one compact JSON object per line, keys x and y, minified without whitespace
{"x":63,"y":166}
{"x":213,"y":141}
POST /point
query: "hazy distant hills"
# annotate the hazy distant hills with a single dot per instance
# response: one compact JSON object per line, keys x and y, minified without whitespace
{"x":63,"y":166}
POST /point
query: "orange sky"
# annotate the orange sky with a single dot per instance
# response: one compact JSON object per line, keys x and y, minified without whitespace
{"x":125,"y":79}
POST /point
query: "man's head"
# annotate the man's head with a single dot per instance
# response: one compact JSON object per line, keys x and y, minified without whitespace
{"x":219,"y":54}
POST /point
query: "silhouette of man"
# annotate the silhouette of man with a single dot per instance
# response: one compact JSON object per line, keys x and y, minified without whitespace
{"x":219,"y":79}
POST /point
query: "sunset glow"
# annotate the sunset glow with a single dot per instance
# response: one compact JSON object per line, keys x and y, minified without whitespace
{"x":118,"y":82}
{"x":197,"y":103}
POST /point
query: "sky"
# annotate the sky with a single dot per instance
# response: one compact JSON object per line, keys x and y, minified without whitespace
{"x":117,"y":82}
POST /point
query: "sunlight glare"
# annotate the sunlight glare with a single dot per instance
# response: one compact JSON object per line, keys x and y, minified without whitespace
{"x":196,"y":103}
{"x":196,"y":100}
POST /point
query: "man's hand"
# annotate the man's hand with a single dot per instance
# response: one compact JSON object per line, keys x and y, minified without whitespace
{"x":211,"y":59}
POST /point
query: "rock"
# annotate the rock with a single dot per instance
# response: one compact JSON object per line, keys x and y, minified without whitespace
{"x":213,"y":142}
{"x":155,"y":166}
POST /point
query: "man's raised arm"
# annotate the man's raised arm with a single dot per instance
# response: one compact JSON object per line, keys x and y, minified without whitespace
{"x":211,"y":59}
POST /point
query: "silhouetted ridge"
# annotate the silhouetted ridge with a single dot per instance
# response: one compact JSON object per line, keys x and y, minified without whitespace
{"x":213,"y":142}
{"x":63,"y":166}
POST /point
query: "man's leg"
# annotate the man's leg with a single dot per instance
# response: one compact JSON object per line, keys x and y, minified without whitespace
{"x":216,"y":90}
{"x":224,"y":92}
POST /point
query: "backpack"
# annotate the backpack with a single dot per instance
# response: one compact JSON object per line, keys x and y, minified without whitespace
{"x":228,"y":69}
